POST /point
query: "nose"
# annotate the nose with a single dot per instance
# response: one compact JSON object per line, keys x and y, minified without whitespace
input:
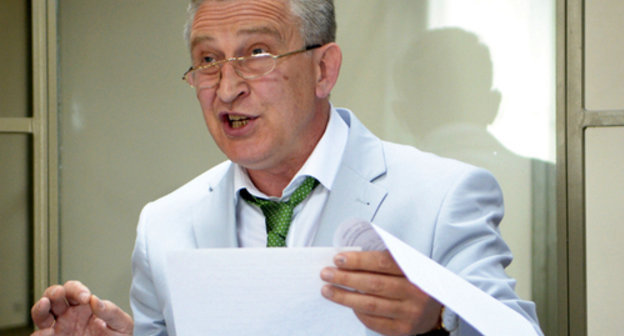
{"x":231,"y":86}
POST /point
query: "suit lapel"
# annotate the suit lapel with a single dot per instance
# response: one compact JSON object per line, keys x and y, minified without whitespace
{"x":214,"y":219}
{"x":354,"y":194}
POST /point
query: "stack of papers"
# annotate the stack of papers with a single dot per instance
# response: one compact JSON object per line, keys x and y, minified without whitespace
{"x":240,"y":291}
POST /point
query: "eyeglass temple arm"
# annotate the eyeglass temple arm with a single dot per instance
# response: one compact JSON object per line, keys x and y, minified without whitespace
{"x":307,"y":48}
{"x":187,"y":72}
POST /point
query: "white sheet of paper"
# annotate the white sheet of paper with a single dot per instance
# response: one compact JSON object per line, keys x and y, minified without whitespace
{"x":482,"y":311}
{"x":241,"y":291}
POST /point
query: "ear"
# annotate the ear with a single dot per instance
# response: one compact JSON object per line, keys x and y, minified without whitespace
{"x":328,"y":60}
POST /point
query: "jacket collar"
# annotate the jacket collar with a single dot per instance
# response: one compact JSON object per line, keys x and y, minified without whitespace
{"x":214,"y":219}
{"x":354,"y":194}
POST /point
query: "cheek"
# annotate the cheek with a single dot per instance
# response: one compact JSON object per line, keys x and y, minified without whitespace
{"x":205,"y":98}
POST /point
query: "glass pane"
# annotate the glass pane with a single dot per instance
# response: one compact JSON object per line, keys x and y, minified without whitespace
{"x":15,"y":231}
{"x":604,"y":190}
{"x":604,"y":51}
{"x":471,"y":80}
{"x":116,"y":156}
{"x":15,"y":59}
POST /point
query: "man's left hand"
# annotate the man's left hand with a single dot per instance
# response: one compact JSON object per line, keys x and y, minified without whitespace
{"x":383,"y":299}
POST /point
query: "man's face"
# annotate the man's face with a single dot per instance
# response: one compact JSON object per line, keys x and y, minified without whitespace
{"x":266,"y":123}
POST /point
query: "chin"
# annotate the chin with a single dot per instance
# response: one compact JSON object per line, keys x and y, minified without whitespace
{"x":248,"y":160}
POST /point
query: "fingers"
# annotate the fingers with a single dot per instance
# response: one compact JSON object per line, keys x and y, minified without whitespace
{"x":56,"y":300}
{"x":372,"y":272}
{"x":412,"y":315}
{"x":388,"y":317}
{"x":388,"y":286}
{"x":41,"y":314}
{"x":368,"y":304}
{"x":72,"y":308}
{"x":114,"y":317}
{"x":382,"y":297}
{"x":385,"y":326}
{"x":371,"y":261}
{"x":76,"y":293}
{"x":43,"y":332}
{"x":56,"y":296}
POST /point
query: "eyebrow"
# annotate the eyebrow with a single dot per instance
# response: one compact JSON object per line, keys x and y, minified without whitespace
{"x":261,"y":31}
{"x":199,"y":39}
{"x":246,"y":31}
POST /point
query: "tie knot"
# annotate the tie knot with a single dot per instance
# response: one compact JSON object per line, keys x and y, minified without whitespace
{"x":295,"y":198}
{"x":278,"y":215}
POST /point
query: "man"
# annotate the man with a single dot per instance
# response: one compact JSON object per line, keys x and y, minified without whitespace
{"x":263,"y":71}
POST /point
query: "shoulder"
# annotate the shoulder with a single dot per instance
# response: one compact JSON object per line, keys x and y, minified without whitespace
{"x":427,"y":169}
{"x":198,"y":187}
{"x":433,"y":190}
{"x":403,"y":168}
{"x":393,"y":160}
{"x":189,"y":194}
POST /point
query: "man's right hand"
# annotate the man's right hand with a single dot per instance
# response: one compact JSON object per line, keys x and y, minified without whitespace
{"x":71,"y":309}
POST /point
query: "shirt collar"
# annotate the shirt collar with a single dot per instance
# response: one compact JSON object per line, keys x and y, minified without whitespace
{"x":322,"y":164}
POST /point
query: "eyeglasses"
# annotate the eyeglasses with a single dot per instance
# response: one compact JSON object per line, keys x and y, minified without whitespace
{"x":247,"y":67}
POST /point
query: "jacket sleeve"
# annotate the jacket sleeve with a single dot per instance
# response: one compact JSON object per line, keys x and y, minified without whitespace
{"x":467,"y":241}
{"x":148,"y":317}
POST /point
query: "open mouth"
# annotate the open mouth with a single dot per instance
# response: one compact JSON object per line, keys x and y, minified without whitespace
{"x":237,"y":121}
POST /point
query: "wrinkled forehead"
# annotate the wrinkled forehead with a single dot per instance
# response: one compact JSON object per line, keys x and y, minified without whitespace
{"x":242,"y":17}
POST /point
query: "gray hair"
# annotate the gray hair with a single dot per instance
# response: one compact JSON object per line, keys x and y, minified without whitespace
{"x":318,"y":20}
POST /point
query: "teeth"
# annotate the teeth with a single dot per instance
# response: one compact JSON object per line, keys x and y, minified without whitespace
{"x":238,"y":123}
{"x":236,"y":117}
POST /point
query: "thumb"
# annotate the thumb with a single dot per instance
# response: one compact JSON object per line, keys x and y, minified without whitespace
{"x":115,"y":318}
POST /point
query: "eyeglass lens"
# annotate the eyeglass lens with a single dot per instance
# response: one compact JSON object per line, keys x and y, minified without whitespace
{"x":247,"y":68}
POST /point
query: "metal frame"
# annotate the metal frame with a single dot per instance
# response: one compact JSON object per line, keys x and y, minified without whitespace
{"x":45,"y":144}
{"x":43,"y":128}
{"x":16,"y":125}
{"x":543,"y":244}
{"x":573,"y":119}
{"x":562,"y":151}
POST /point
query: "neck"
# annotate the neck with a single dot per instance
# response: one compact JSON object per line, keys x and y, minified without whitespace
{"x":272,"y":181}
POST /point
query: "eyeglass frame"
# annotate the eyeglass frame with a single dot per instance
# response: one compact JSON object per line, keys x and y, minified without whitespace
{"x":222,"y":62}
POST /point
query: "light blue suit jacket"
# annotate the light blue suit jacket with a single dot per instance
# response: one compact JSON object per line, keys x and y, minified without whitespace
{"x":446,"y":209}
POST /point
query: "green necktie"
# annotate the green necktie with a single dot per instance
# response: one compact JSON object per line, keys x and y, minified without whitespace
{"x":279,"y":214}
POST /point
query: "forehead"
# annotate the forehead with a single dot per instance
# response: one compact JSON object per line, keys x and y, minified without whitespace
{"x":242,"y":17}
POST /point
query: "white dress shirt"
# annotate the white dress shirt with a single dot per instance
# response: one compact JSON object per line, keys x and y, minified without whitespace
{"x":322,"y":164}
